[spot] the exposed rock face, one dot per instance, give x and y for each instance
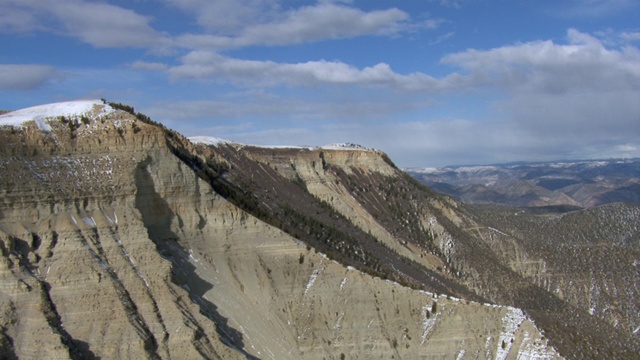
(453, 241)
(81, 263)
(135, 243)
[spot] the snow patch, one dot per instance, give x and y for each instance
(112, 220)
(344, 281)
(89, 221)
(343, 146)
(41, 114)
(510, 323)
(312, 279)
(428, 323)
(208, 140)
(42, 124)
(215, 141)
(498, 231)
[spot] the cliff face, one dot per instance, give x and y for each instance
(83, 274)
(121, 239)
(457, 249)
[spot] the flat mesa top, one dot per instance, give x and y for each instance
(215, 141)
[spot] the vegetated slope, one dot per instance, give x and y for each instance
(590, 258)
(121, 238)
(119, 241)
(578, 183)
(429, 233)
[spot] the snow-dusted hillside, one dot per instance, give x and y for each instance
(41, 114)
(580, 183)
(215, 141)
(209, 140)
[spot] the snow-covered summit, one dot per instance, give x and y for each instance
(215, 141)
(41, 113)
(209, 140)
(343, 146)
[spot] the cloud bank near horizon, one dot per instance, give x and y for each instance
(218, 67)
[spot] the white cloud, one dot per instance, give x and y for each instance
(577, 98)
(26, 77)
(14, 19)
(573, 100)
(444, 142)
(433, 23)
(584, 64)
(226, 23)
(323, 21)
(593, 8)
(263, 105)
(210, 65)
(228, 17)
(105, 25)
(456, 4)
(630, 36)
(152, 66)
(98, 24)
(442, 38)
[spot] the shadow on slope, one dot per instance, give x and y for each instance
(157, 217)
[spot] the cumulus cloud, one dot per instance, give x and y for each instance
(263, 105)
(98, 24)
(631, 36)
(575, 99)
(228, 16)
(226, 23)
(543, 66)
(26, 77)
(450, 141)
(145, 65)
(584, 64)
(14, 19)
(211, 65)
(105, 25)
(433, 143)
(323, 21)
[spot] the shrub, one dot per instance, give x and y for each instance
(122, 107)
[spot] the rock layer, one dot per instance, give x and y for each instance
(121, 239)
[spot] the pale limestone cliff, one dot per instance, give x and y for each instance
(112, 247)
(580, 306)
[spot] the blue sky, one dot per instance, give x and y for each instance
(432, 83)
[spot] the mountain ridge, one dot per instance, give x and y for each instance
(584, 183)
(240, 252)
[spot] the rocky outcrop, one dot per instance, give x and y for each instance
(122, 239)
(452, 241)
(80, 265)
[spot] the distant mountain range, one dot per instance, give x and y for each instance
(568, 183)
